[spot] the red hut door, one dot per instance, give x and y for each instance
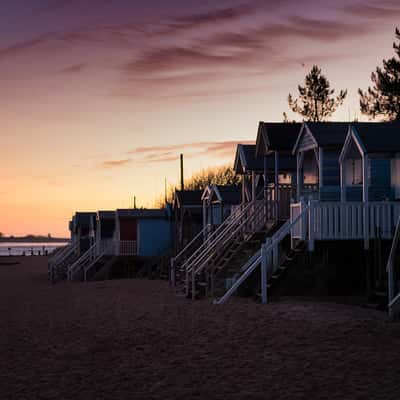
(128, 229)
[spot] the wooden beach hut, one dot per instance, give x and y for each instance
(83, 230)
(188, 210)
(317, 150)
(251, 168)
(370, 162)
(218, 203)
(274, 144)
(143, 232)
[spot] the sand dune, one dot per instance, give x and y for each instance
(136, 340)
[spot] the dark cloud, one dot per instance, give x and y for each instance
(22, 46)
(74, 69)
(374, 10)
(247, 52)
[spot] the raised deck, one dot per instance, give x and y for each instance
(344, 221)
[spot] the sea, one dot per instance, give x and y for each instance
(28, 248)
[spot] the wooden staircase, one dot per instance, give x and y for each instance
(194, 277)
(58, 265)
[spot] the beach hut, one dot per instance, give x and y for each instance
(83, 230)
(143, 232)
(275, 142)
(370, 162)
(317, 150)
(105, 228)
(218, 203)
(188, 210)
(251, 168)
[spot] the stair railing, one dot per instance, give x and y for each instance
(199, 264)
(264, 257)
(85, 259)
(174, 263)
(102, 248)
(393, 291)
(55, 262)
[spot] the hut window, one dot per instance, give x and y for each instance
(356, 172)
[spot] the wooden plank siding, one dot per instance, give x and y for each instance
(307, 142)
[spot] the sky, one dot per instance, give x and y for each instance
(99, 97)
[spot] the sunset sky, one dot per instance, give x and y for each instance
(99, 97)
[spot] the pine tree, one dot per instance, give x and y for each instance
(316, 101)
(383, 99)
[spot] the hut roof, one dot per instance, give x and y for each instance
(228, 194)
(142, 213)
(378, 137)
(106, 214)
(276, 136)
(324, 134)
(188, 198)
(246, 160)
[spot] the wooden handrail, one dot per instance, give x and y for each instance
(258, 256)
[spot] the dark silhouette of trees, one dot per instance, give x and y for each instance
(224, 175)
(316, 101)
(218, 176)
(383, 98)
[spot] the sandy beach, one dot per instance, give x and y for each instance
(134, 339)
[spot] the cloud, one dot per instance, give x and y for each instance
(374, 10)
(23, 46)
(228, 55)
(169, 153)
(73, 69)
(115, 163)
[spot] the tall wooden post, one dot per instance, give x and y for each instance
(365, 201)
(299, 175)
(182, 181)
(265, 188)
(343, 180)
(276, 194)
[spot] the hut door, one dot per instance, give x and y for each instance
(128, 229)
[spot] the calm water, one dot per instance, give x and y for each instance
(19, 248)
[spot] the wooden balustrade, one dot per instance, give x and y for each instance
(346, 220)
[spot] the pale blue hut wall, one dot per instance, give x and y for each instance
(155, 237)
(380, 187)
(330, 191)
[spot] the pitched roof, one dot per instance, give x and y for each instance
(83, 218)
(276, 136)
(141, 213)
(188, 197)
(229, 194)
(383, 137)
(325, 134)
(246, 160)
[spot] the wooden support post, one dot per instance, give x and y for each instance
(243, 188)
(266, 189)
(276, 194)
(311, 225)
(365, 201)
(264, 271)
(299, 175)
(320, 163)
(205, 218)
(343, 180)
(253, 198)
